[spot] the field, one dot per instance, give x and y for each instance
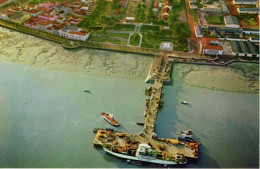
(106, 40)
(135, 39)
(215, 19)
(122, 27)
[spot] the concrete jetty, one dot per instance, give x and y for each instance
(159, 74)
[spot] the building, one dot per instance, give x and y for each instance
(251, 31)
(210, 46)
(244, 48)
(4, 16)
(231, 22)
(205, 1)
(43, 25)
(64, 32)
(193, 4)
(248, 10)
(78, 35)
(155, 6)
(166, 9)
(6, 2)
(198, 31)
(245, 2)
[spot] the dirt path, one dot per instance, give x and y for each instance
(192, 31)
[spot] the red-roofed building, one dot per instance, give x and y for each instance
(211, 46)
(78, 35)
(155, 6)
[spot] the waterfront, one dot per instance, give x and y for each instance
(47, 119)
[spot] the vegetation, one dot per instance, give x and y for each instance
(215, 19)
(194, 15)
(177, 35)
(249, 19)
(106, 40)
(148, 28)
(135, 39)
(122, 27)
(119, 35)
(139, 14)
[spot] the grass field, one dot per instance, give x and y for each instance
(106, 40)
(215, 19)
(148, 28)
(119, 35)
(135, 39)
(122, 27)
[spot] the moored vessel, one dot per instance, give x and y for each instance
(110, 118)
(145, 153)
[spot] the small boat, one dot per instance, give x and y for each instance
(184, 102)
(86, 91)
(187, 134)
(140, 123)
(110, 118)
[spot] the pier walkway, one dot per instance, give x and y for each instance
(159, 73)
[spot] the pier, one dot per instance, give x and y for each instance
(159, 74)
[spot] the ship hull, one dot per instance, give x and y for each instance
(109, 121)
(149, 160)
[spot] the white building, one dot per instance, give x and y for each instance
(78, 35)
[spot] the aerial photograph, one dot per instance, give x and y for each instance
(129, 83)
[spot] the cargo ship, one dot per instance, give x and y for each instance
(145, 153)
(110, 118)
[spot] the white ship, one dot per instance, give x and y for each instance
(147, 154)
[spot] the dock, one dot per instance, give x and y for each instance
(159, 74)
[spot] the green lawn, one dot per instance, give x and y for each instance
(215, 19)
(122, 27)
(135, 39)
(148, 28)
(120, 35)
(106, 40)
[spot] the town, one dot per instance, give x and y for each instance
(209, 27)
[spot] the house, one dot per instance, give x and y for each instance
(193, 4)
(4, 16)
(155, 6)
(6, 2)
(130, 19)
(64, 32)
(248, 10)
(210, 46)
(48, 17)
(165, 13)
(198, 31)
(244, 48)
(166, 10)
(224, 7)
(167, 4)
(43, 25)
(231, 21)
(245, 2)
(78, 35)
